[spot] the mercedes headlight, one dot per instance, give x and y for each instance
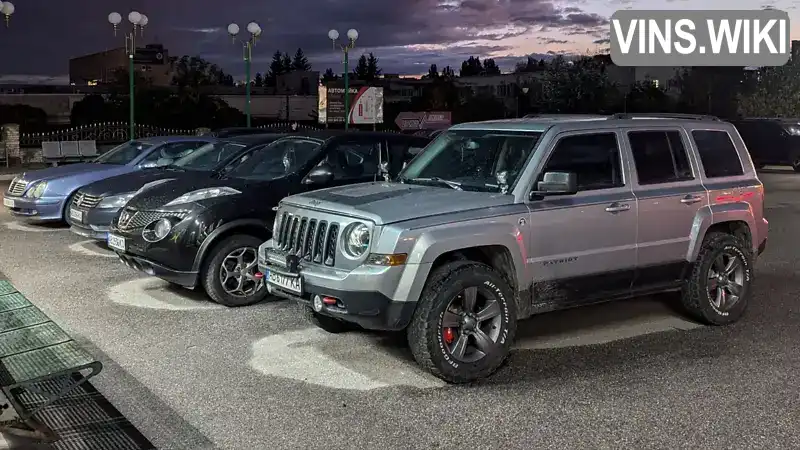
(156, 231)
(356, 240)
(37, 190)
(115, 201)
(202, 194)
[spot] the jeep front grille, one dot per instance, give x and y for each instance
(310, 239)
(17, 187)
(131, 219)
(85, 201)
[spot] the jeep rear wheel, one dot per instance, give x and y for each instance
(718, 288)
(228, 276)
(464, 323)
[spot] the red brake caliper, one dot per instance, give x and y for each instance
(449, 335)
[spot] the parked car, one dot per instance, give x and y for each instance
(42, 195)
(771, 141)
(497, 221)
(95, 204)
(204, 232)
(236, 131)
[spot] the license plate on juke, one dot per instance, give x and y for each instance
(116, 242)
(291, 283)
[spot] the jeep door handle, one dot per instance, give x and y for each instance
(689, 199)
(617, 207)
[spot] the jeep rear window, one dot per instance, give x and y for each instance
(717, 153)
(474, 158)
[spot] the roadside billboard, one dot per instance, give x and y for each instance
(366, 105)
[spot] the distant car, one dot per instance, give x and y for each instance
(205, 231)
(771, 141)
(42, 195)
(95, 204)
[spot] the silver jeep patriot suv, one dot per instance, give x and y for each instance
(496, 221)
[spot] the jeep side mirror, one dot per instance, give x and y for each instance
(322, 174)
(556, 183)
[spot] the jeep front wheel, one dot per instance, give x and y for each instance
(464, 323)
(718, 288)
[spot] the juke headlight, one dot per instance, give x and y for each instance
(356, 239)
(158, 230)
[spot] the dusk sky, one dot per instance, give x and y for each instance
(406, 35)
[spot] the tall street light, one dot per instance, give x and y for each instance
(247, 44)
(352, 35)
(138, 21)
(6, 9)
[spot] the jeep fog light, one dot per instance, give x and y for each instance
(386, 260)
(356, 240)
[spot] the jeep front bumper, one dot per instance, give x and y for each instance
(359, 296)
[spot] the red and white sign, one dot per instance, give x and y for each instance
(423, 120)
(367, 107)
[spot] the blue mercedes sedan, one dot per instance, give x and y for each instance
(42, 195)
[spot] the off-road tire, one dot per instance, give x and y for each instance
(424, 332)
(327, 323)
(694, 296)
(209, 275)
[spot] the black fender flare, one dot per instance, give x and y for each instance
(213, 237)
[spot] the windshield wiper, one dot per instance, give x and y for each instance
(451, 184)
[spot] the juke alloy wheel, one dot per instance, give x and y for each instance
(228, 275)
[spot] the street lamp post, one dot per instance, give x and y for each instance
(352, 35)
(255, 31)
(6, 9)
(139, 21)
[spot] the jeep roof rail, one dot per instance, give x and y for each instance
(562, 116)
(622, 116)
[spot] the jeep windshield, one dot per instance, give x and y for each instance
(123, 153)
(276, 160)
(208, 156)
(474, 160)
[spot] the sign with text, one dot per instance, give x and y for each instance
(366, 105)
(700, 38)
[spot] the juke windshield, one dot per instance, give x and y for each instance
(208, 156)
(276, 160)
(475, 160)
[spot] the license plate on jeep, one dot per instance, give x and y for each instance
(291, 283)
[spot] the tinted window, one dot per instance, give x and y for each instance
(168, 153)
(660, 156)
(719, 156)
(209, 156)
(593, 158)
(276, 160)
(124, 153)
(354, 159)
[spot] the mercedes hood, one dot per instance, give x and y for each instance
(384, 203)
(54, 173)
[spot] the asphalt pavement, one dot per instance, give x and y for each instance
(193, 375)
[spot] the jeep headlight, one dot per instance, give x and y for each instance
(356, 240)
(156, 231)
(37, 190)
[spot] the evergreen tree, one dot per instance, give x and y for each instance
(275, 68)
(361, 71)
(259, 80)
(490, 67)
(300, 62)
(286, 63)
(329, 75)
(372, 67)
(433, 72)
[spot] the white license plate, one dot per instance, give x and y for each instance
(286, 282)
(116, 242)
(8, 202)
(76, 214)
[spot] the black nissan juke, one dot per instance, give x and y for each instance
(205, 231)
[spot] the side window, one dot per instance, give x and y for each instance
(593, 158)
(718, 154)
(660, 156)
(354, 159)
(168, 153)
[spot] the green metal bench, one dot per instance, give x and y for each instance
(33, 349)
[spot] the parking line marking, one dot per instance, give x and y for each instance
(154, 293)
(16, 226)
(80, 247)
